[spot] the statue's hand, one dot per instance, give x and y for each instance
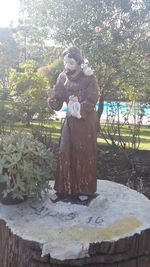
(53, 103)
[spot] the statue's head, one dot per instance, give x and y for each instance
(72, 60)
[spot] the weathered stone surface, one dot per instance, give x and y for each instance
(114, 230)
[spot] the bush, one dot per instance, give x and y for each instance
(52, 71)
(26, 165)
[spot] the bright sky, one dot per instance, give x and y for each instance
(9, 11)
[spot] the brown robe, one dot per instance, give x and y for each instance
(76, 172)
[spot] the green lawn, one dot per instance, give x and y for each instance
(127, 136)
(53, 128)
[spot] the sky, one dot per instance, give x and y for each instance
(9, 11)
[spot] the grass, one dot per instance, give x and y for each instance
(127, 136)
(53, 128)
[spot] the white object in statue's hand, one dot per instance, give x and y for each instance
(74, 107)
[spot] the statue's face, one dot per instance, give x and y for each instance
(70, 64)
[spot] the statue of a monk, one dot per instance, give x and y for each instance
(77, 86)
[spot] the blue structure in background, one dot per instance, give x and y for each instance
(123, 106)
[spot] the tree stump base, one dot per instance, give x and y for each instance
(113, 230)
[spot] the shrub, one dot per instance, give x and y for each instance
(52, 71)
(26, 165)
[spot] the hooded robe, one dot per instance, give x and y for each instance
(76, 170)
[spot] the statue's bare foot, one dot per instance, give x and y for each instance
(86, 199)
(54, 197)
(83, 198)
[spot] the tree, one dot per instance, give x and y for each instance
(52, 71)
(32, 45)
(8, 58)
(29, 92)
(8, 55)
(112, 34)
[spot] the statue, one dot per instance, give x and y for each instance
(77, 86)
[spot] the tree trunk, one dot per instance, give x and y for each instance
(132, 249)
(100, 111)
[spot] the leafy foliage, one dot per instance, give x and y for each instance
(8, 54)
(6, 116)
(119, 52)
(29, 92)
(52, 71)
(26, 165)
(112, 34)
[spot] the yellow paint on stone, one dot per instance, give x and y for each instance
(125, 225)
(91, 234)
(87, 234)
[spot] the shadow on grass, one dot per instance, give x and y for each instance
(52, 128)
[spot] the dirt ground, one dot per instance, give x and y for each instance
(129, 167)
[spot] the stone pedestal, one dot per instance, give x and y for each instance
(113, 230)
